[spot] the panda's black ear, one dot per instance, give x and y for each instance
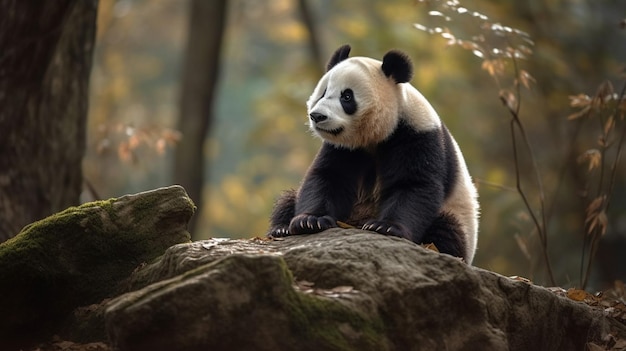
(339, 55)
(397, 65)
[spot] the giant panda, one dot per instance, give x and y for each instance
(387, 163)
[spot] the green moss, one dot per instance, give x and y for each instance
(320, 319)
(80, 255)
(315, 319)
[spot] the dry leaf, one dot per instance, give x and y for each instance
(576, 294)
(342, 289)
(508, 99)
(608, 126)
(595, 205)
(580, 100)
(520, 279)
(526, 78)
(493, 67)
(344, 225)
(431, 247)
(593, 156)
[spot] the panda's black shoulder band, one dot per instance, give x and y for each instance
(397, 65)
(339, 55)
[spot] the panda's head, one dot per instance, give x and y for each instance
(357, 102)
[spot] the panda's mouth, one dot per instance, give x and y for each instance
(334, 132)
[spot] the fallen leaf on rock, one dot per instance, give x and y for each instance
(344, 225)
(517, 278)
(577, 294)
(343, 289)
(430, 246)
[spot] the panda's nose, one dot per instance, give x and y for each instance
(317, 117)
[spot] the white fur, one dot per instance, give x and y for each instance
(463, 204)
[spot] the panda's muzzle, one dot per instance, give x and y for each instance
(317, 118)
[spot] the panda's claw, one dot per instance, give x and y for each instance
(278, 232)
(310, 224)
(386, 228)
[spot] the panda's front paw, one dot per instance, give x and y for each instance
(387, 228)
(309, 224)
(278, 231)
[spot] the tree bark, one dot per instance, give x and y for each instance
(45, 59)
(308, 18)
(199, 80)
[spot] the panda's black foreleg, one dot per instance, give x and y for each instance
(329, 190)
(446, 234)
(284, 222)
(282, 214)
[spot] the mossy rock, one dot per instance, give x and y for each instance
(81, 255)
(240, 302)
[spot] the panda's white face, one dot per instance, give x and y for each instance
(354, 104)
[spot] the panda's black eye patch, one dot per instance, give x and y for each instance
(347, 101)
(347, 95)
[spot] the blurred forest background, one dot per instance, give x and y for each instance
(271, 58)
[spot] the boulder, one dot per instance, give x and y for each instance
(80, 256)
(343, 289)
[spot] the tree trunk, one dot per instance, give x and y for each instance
(45, 59)
(200, 76)
(308, 19)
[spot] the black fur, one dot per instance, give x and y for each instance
(413, 172)
(348, 102)
(397, 65)
(444, 233)
(339, 55)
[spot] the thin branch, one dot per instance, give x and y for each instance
(619, 147)
(541, 228)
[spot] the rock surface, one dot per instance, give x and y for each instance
(337, 290)
(79, 256)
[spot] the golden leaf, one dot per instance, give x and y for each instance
(160, 146)
(595, 204)
(431, 247)
(593, 156)
(508, 99)
(596, 216)
(493, 67)
(526, 78)
(580, 100)
(608, 126)
(344, 225)
(576, 294)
